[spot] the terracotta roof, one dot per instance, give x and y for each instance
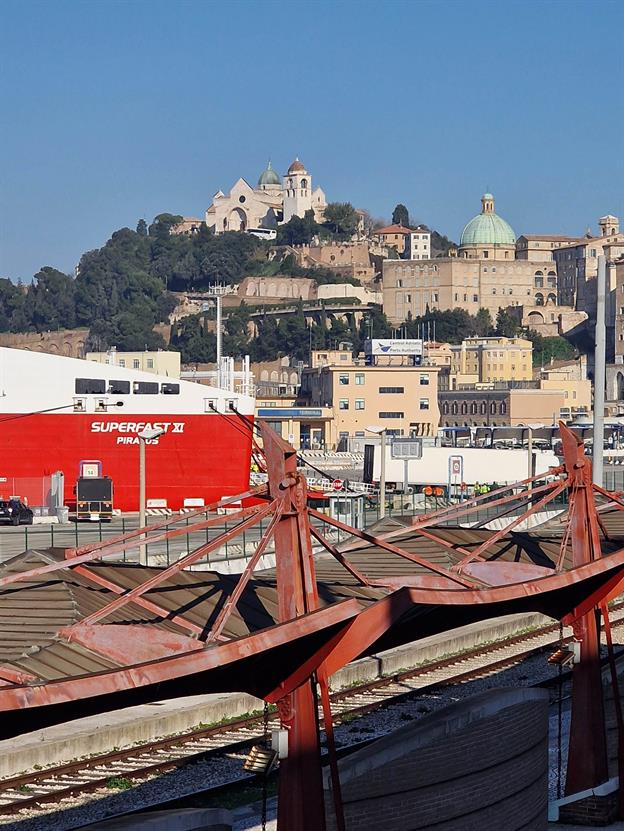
(549, 237)
(394, 229)
(296, 167)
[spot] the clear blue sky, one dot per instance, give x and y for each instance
(113, 111)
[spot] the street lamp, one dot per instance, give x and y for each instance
(381, 432)
(148, 434)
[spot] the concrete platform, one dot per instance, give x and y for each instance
(133, 725)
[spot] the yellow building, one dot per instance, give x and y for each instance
(162, 362)
(481, 360)
(570, 381)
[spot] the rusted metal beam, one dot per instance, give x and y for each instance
(129, 644)
(260, 490)
(109, 548)
(179, 565)
(587, 748)
(475, 504)
(300, 804)
(160, 611)
(230, 603)
(394, 549)
(506, 529)
(359, 576)
(176, 667)
(103, 551)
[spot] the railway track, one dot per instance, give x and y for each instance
(108, 773)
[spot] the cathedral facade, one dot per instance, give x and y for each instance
(274, 200)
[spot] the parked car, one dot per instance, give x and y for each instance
(15, 512)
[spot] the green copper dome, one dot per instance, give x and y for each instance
(269, 177)
(487, 228)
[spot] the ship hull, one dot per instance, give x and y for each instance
(199, 457)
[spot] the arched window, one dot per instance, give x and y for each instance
(483, 408)
(464, 408)
(539, 279)
(539, 299)
(552, 298)
(445, 408)
(304, 184)
(473, 408)
(454, 408)
(503, 408)
(493, 408)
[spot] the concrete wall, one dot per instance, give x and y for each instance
(68, 342)
(481, 763)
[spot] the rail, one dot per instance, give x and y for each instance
(36, 789)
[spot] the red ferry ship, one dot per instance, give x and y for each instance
(56, 412)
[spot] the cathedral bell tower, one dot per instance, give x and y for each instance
(297, 191)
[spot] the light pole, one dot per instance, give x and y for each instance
(144, 435)
(381, 432)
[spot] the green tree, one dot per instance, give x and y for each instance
(400, 216)
(441, 245)
(163, 223)
(195, 344)
(298, 230)
(51, 300)
(483, 323)
(549, 349)
(141, 228)
(507, 324)
(341, 219)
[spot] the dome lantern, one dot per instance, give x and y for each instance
(488, 228)
(269, 177)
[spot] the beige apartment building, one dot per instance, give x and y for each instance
(392, 236)
(471, 284)
(577, 265)
(162, 362)
(570, 379)
(540, 247)
(403, 399)
(484, 360)
(500, 407)
(410, 243)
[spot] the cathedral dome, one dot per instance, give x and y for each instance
(269, 177)
(487, 228)
(297, 167)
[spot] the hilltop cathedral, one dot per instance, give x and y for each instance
(269, 204)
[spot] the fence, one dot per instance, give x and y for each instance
(36, 491)
(16, 540)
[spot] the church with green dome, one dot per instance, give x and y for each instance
(274, 200)
(488, 235)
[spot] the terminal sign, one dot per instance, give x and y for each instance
(393, 347)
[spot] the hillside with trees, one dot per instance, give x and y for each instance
(124, 289)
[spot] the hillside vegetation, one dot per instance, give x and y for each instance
(122, 290)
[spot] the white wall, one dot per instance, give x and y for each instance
(480, 465)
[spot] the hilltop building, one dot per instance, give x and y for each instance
(485, 274)
(274, 200)
(409, 243)
(577, 264)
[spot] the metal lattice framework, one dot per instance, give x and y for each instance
(290, 663)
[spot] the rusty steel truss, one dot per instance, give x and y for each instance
(290, 662)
